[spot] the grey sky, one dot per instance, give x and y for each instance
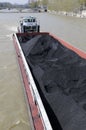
(15, 1)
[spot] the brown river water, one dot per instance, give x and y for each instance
(13, 106)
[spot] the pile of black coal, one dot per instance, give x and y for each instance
(60, 75)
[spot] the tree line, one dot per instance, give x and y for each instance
(4, 5)
(58, 5)
(66, 5)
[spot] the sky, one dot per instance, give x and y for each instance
(15, 1)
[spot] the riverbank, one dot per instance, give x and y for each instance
(14, 10)
(81, 14)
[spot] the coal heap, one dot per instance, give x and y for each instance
(60, 76)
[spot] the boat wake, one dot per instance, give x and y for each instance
(11, 28)
(18, 123)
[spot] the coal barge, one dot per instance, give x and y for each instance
(54, 76)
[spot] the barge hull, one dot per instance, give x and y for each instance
(61, 105)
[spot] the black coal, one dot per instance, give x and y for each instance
(60, 76)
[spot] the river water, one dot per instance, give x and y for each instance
(13, 108)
